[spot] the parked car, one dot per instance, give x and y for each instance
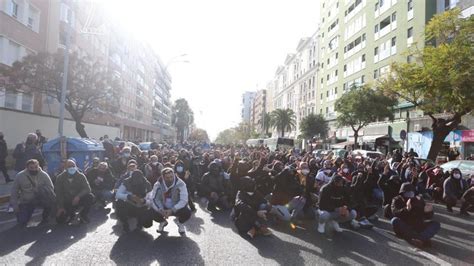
(369, 154)
(466, 167)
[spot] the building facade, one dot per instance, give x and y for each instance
(33, 26)
(258, 111)
(247, 102)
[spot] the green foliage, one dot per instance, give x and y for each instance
(236, 135)
(182, 117)
(313, 125)
(90, 87)
(283, 120)
(442, 77)
(199, 135)
(360, 106)
(266, 122)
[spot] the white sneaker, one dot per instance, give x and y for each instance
(161, 227)
(321, 227)
(336, 227)
(181, 228)
(355, 224)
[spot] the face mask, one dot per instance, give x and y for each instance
(154, 163)
(250, 193)
(179, 169)
(126, 155)
(71, 170)
(457, 176)
(327, 172)
(409, 194)
(33, 172)
(305, 171)
(345, 170)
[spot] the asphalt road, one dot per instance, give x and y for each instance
(212, 240)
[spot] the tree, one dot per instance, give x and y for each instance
(361, 106)
(266, 123)
(441, 78)
(283, 120)
(182, 117)
(313, 125)
(199, 135)
(226, 137)
(90, 87)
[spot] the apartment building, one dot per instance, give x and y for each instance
(258, 110)
(32, 26)
(247, 103)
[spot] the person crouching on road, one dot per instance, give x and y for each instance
(73, 194)
(102, 183)
(454, 188)
(24, 197)
(409, 214)
(334, 208)
(131, 201)
(170, 198)
(250, 210)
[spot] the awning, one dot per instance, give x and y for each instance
(372, 138)
(342, 145)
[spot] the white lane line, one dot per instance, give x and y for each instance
(425, 254)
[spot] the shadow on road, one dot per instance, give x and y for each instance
(139, 248)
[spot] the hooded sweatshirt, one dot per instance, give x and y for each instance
(174, 197)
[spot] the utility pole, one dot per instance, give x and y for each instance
(65, 73)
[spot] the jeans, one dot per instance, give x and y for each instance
(26, 211)
(325, 216)
(408, 232)
(3, 169)
(84, 206)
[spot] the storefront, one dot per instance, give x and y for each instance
(467, 138)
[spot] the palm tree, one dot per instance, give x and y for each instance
(283, 120)
(265, 122)
(182, 117)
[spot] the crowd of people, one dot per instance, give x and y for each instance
(258, 186)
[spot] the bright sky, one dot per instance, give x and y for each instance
(232, 47)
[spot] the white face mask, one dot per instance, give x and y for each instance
(250, 193)
(457, 176)
(305, 171)
(345, 170)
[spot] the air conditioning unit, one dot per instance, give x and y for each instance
(417, 127)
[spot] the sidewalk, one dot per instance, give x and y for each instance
(6, 188)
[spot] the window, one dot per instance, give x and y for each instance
(14, 8)
(363, 37)
(384, 23)
(381, 2)
(335, 73)
(328, 61)
(394, 16)
(345, 68)
(362, 79)
(27, 102)
(447, 4)
(394, 41)
(376, 73)
(327, 78)
(376, 5)
(322, 80)
(10, 99)
(376, 28)
(335, 90)
(336, 55)
(376, 51)
(321, 96)
(410, 32)
(410, 5)
(327, 110)
(327, 93)
(363, 58)
(410, 59)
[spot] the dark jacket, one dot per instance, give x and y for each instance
(107, 182)
(390, 188)
(332, 197)
(286, 187)
(453, 190)
(414, 217)
(3, 150)
(23, 153)
(212, 183)
(66, 190)
(248, 205)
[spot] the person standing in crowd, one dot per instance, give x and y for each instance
(131, 201)
(3, 157)
(153, 170)
(170, 198)
(73, 195)
(250, 210)
(26, 196)
(410, 213)
(102, 183)
(28, 150)
(454, 188)
(41, 139)
(119, 166)
(109, 148)
(334, 206)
